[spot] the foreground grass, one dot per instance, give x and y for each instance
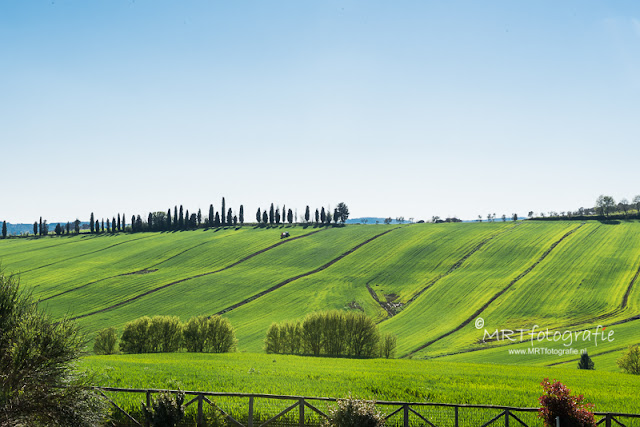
(381, 379)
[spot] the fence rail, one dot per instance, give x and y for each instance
(311, 411)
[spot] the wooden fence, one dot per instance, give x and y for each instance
(306, 411)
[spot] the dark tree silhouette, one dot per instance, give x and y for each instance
(323, 215)
(76, 226)
(133, 223)
(168, 219)
(216, 221)
(103, 225)
(68, 227)
(150, 223)
(187, 220)
(277, 216)
(176, 224)
(341, 213)
(317, 216)
(265, 217)
(290, 216)
(241, 215)
(35, 228)
(272, 216)
(258, 216)
(97, 226)
(108, 226)
(41, 230)
(222, 210)
(4, 229)
(199, 217)
(307, 214)
(211, 215)
(91, 222)
(119, 229)
(229, 217)
(181, 219)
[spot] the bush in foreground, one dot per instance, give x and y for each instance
(352, 412)
(166, 410)
(557, 401)
(38, 383)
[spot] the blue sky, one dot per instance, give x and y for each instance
(407, 109)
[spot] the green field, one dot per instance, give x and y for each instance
(427, 284)
(381, 379)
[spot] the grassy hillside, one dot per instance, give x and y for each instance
(425, 283)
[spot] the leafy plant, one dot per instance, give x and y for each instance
(557, 401)
(352, 412)
(38, 382)
(166, 410)
(630, 361)
(105, 342)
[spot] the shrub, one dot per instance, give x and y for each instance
(352, 412)
(220, 336)
(135, 336)
(105, 342)
(585, 362)
(212, 335)
(166, 410)
(38, 382)
(165, 334)
(362, 335)
(272, 342)
(630, 361)
(557, 401)
(193, 333)
(388, 346)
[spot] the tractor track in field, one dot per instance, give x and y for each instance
(159, 288)
(300, 276)
(84, 254)
(497, 295)
(625, 299)
(384, 305)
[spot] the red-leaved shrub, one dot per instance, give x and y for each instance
(557, 401)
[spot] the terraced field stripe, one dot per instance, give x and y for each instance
(137, 297)
(85, 254)
(625, 299)
(458, 264)
(385, 306)
(498, 294)
(299, 276)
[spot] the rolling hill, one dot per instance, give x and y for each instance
(426, 283)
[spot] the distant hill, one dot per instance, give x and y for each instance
(18, 229)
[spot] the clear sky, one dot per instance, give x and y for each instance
(401, 108)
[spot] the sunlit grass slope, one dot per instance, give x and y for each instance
(436, 278)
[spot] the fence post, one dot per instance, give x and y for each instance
(506, 418)
(406, 415)
(146, 422)
(200, 413)
(456, 416)
(608, 420)
(301, 413)
(250, 422)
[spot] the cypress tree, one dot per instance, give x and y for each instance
(229, 217)
(277, 216)
(216, 221)
(35, 228)
(133, 223)
(211, 215)
(284, 214)
(124, 223)
(68, 227)
(222, 210)
(235, 220)
(113, 224)
(150, 223)
(258, 216)
(4, 229)
(139, 223)
(103, 225)
(41, 226)
(108, 225)
(199, 217)
(187, 220)
(290, 216)
(271, 214)
(335, 216)
(168, 219)
(317, 216)
(307, 214)
(323, 215)
(91, 222)
(265, 218)
(175, 217)
(97, 226)
(241, 215)
(181, 219)
(119, 222)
